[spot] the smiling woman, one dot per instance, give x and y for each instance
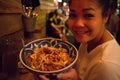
(99, 50)
(87, 21)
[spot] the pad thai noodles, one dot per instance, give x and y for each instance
(48, 58)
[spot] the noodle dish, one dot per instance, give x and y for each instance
(48, 56)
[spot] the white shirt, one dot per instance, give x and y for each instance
(102, 63)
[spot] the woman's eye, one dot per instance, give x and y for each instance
(72, 15)
(89, 15)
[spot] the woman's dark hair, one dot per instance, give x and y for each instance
(106, 5)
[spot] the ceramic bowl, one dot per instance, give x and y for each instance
(50, 42)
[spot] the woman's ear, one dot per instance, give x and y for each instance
(107, 15)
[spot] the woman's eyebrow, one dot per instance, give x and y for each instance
(88, 9)
(84, 10)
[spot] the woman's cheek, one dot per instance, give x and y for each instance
(70, 24)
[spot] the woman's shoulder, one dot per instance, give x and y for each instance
(111, 46)
(111, 52)
(105, 71)
(108, 52)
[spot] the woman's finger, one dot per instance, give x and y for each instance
(70, 75)
(42, 77)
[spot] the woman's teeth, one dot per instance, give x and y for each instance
(81, 32)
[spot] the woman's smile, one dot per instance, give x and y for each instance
(81, 33)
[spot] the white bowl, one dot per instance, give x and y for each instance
(50, 42)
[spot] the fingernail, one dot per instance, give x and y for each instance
(59, 76)
(40, 75)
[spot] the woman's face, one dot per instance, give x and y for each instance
(86, 21)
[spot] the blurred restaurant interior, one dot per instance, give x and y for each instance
(22, 21)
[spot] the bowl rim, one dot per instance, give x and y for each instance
(48, 72)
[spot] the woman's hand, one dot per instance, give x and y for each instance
(70, 75)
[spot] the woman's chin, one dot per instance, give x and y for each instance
(81, 40)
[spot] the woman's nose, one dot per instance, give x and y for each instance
(79, 22)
